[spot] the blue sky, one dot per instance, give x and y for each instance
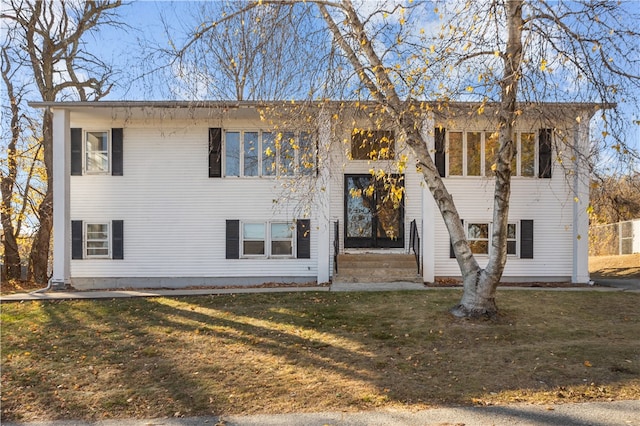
(122, 46)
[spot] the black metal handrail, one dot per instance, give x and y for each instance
(414, 242)
(336, 245)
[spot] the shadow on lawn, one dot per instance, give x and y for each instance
(309, 352)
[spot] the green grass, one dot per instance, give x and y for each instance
(260, 353)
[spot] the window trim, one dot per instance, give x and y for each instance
(85, 152)
(299, 169)
(268, 240)
(86, 241)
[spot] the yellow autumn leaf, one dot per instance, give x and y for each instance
(543, 65)
(587, 364)
(469, 89)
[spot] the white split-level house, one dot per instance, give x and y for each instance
(176, 194)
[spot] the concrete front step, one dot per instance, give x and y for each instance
(374, 267)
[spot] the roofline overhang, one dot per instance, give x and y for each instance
(260, 104)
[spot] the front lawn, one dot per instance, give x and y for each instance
(276, 353)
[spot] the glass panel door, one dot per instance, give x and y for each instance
(371, 221)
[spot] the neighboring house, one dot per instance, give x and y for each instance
(174, 194)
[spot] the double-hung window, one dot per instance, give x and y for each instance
(267, 239)
(97, 152)
(478, 236)
(281, 238)
(258, 153)
(253, 239)
(97, 240)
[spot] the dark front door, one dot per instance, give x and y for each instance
(371, 220)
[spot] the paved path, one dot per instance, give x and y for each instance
(621, 283)
(614, 285)
(592, 414)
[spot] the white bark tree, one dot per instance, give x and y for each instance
(507, 55)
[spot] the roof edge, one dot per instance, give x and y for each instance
(258, 104)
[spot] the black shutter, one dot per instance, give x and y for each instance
(440, 158)
(215, 152)
(116, 152)
(76, 152)
(303, 239)
(544, 153)
(117, 239)
(452, 254)
(526, 239)
(233, 239)
(76, 239)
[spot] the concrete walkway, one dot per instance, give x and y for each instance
(591, 413)
(119, 294)
(621, 283)
(628, 284)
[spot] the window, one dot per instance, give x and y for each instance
(267, 239)
(512, 239)
(253, 237)
(372, 145)
(268, 154)
(256, 153)
(491, 146)
(232, 154)
(475, 154)
(281, 239)
(478, 237)
(527, 150)
(455, 154)
(306, 153)
(97, 152)
(270, 239)
(97, 242)
(251, 153)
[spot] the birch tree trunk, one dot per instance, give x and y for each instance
(480, 285)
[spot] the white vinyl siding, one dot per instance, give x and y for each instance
(547, 202)
(175, 214)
